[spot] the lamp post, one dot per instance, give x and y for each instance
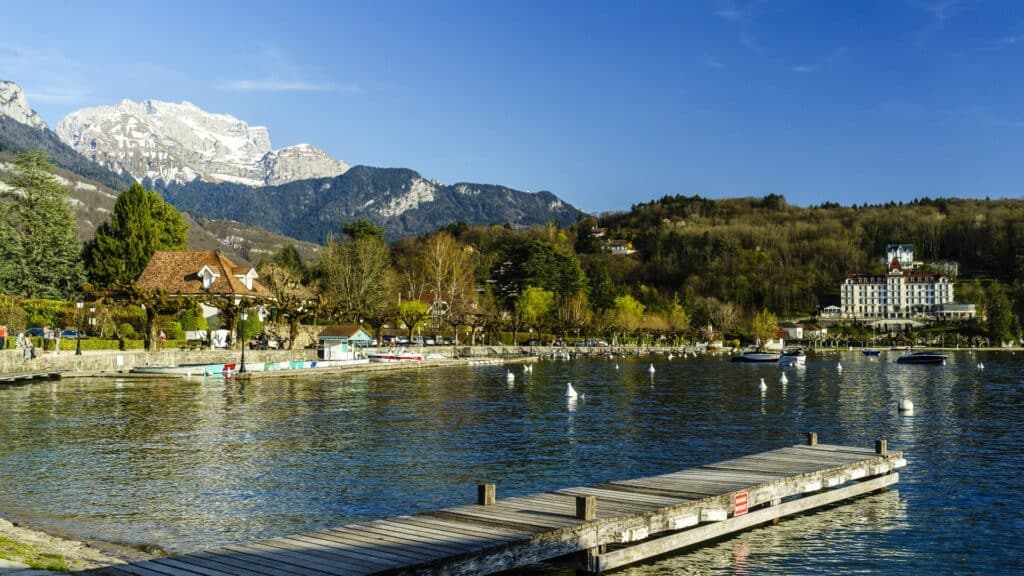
(241, 335)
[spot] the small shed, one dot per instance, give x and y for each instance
(792, 331)
(342, 342)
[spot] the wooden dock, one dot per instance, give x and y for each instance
(25, 377)
(605, 526)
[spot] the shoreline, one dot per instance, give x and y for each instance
(119, 364)
(32, 549)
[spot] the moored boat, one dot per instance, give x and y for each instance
(232, 369)
(402, 355)
(871, 351)
(922, 358)
(757, 356)
(793, 357)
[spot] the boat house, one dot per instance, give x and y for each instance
(342, 342)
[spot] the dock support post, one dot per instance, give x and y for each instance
(485, 494)
(812, 438)
(586, 507)
(880, 447)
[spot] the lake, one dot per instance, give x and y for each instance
(187, 465)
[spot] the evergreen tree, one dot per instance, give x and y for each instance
(43, 221)
(999, 318)
(140, 224)
(12, 256)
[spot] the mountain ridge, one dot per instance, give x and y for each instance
(289, 202)
(399, 199)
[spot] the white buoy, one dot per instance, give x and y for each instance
(906, 406)
(783, 378)
(510, 376)
(670, 356)
(839, 366)
(762, 386)
(570, 392)
(981, 366)
(616, 366)
(651, 369)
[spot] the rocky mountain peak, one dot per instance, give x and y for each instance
(14, 105)
(180, 142)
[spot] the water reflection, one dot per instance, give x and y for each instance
(857, 531)
(195, 463)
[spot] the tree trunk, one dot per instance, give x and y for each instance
(151, 340)
(293, 331)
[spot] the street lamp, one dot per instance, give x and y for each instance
(241, 334)
(78, 335)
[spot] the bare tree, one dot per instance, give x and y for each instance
(448, 271)
(357, 278)
(292, 297)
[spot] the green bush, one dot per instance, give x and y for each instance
(192, 320)
(249, 327)
(132, 315)
(172, 330)
(14, 318)
(126, 330)
(45, 312)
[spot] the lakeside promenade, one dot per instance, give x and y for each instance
(121, 362)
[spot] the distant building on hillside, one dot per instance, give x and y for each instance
(620, 247)
(902, 253)
(897, 295)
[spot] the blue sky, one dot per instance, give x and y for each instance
(603, 103)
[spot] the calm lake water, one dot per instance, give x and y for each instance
(190, 465)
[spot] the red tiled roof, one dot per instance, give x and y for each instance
(178, 273)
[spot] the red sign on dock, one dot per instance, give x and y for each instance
(739, 503)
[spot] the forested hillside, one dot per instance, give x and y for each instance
(764, 253)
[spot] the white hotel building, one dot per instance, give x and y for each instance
(897, 295)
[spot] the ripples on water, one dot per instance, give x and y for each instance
(190, 465)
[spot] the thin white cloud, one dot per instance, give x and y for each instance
(45, 75)
(938, 14)
(742, 18)
(275, 85)
(712, 62)
(57, 94)
(804, 69)
(1004, 42)
(730, 12)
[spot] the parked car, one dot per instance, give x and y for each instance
(268, 341)
(37, 332)
(72, 333)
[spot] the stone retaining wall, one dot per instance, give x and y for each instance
(112, 361)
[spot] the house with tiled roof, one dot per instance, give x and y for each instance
(202, 273)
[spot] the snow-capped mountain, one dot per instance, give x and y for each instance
(179, 143)
(197, 159)
(14, 106)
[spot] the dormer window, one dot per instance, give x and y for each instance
(208, 276)
(247, 278)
